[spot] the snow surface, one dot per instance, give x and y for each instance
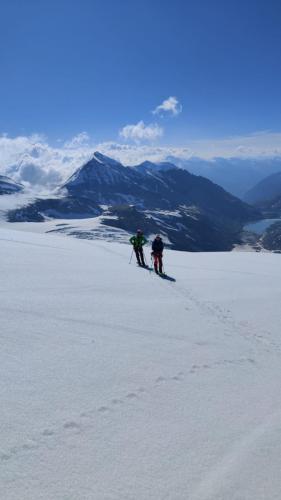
(119, 385)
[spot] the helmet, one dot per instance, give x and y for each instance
(139, 231)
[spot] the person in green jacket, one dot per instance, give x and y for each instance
(138, 241)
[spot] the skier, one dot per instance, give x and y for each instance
(157, 253)
(138, 241)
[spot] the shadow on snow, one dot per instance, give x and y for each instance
(163, 276)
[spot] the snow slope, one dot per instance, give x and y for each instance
(118, 385)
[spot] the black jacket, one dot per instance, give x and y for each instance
(157, 246)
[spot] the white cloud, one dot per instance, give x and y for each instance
(170, 105)
(33, 161)
(141, 132)
(31, 173)
(132, 154)
(81, 139)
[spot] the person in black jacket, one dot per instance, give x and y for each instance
(157, 253)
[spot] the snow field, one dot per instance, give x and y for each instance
(116, 384)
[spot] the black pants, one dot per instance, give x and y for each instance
(139, 255)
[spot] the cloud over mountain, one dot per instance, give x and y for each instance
(34, 160)
(141, 132)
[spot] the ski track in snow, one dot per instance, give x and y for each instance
(87, 418)
(243, 328)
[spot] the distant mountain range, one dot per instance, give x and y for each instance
(192, 212)
(267, 189)
(266, 196)
(235, 175)
(8, 186)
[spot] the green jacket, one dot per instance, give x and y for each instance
(138, 241)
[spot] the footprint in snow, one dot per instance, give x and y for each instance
(178, 377)
(103, 409)
(48, 432)
(131, 395)
(116, 401)
(84, 415)
(30, 446)
(71, 425)
(194, 368)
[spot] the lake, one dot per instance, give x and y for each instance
(260, 226)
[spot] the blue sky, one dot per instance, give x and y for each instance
(69, 66)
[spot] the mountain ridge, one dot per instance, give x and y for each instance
(266, 190)
(9, 186)
(217, 216)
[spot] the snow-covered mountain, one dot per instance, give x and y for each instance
(99, 171)
(151, 186)
(116, 384)
(8, 186)
(109, 182)
(190, 211)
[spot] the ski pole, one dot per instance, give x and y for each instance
(131, 256)
(144, 258)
